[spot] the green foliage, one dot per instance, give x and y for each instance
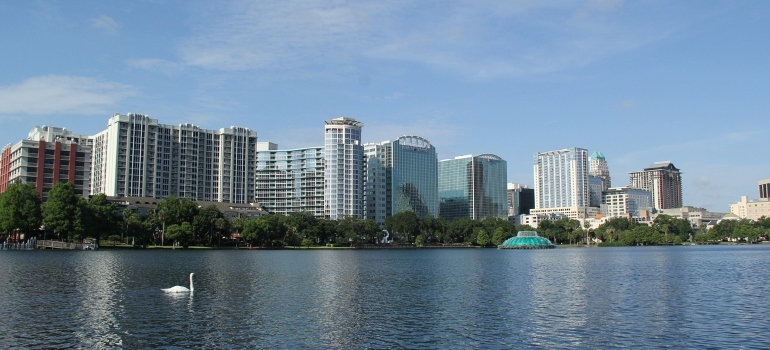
(100, 217)
(432, 228)
(62, 212)
(175, 211)
(182, 234)
(403, 225)
(482, 237)
(208, 223)
(20, 208)
(460, 230)
(419, 241)
(500, 235)
(747, 231)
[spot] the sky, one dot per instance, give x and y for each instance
(640, 81)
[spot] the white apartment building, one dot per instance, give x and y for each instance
(138, 157)
(625, 202)
(48, 155)
(289, 181)
(561, 183)
(343, 168)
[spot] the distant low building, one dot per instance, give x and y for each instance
(698, 217)
(625, 201)
(753, 210)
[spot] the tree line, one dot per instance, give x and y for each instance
(664, 230)
(68, 216)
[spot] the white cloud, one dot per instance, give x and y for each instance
(252, 35)
(480, 39)
(55, 94)
(105, 23)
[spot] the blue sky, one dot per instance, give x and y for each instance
(640, 81)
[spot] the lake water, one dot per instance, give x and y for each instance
(651, 297)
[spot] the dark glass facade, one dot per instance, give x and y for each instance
(473, 187)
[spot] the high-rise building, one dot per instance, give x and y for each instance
(289, 181)
(561, 183)
(561, 179)
(48, 155)
(401, 175)
(344, 168)
(473, 187)
(664, 180)
(764, 189)
(138, 157)
(626, 201)
(521, 199)
(598, 178)
(597, 166)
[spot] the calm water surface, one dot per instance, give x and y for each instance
(595, 298)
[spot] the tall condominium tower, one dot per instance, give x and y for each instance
(664, 180)
(47, 156)
(561, 179)
(597, 166)
(401, 176)
(473, 186)
(290, 180)
(344, 168)
(138, 157)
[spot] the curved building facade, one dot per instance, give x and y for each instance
(401, 175)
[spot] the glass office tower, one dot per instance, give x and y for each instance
(473, 187)
(402, 175)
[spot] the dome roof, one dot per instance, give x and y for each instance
(527, 240)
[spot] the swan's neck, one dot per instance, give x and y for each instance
(191, 283)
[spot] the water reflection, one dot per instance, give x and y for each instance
(684, 297)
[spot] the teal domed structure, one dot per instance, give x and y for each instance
(527, 240)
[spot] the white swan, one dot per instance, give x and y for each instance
(180, 289)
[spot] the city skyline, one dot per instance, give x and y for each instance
(641, 82)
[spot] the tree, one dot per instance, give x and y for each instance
(101, 217)
(130, 222)
(301, 224)
(724, 229)
(62, 211)
(663, 224)
(482, 237)
(403, 225)
(265, 229)
(460, 230)
(175, 211)
(432, 227)
(746, 230)
(206, 225)
(182, 234)
(20, 205)
(499, 236)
